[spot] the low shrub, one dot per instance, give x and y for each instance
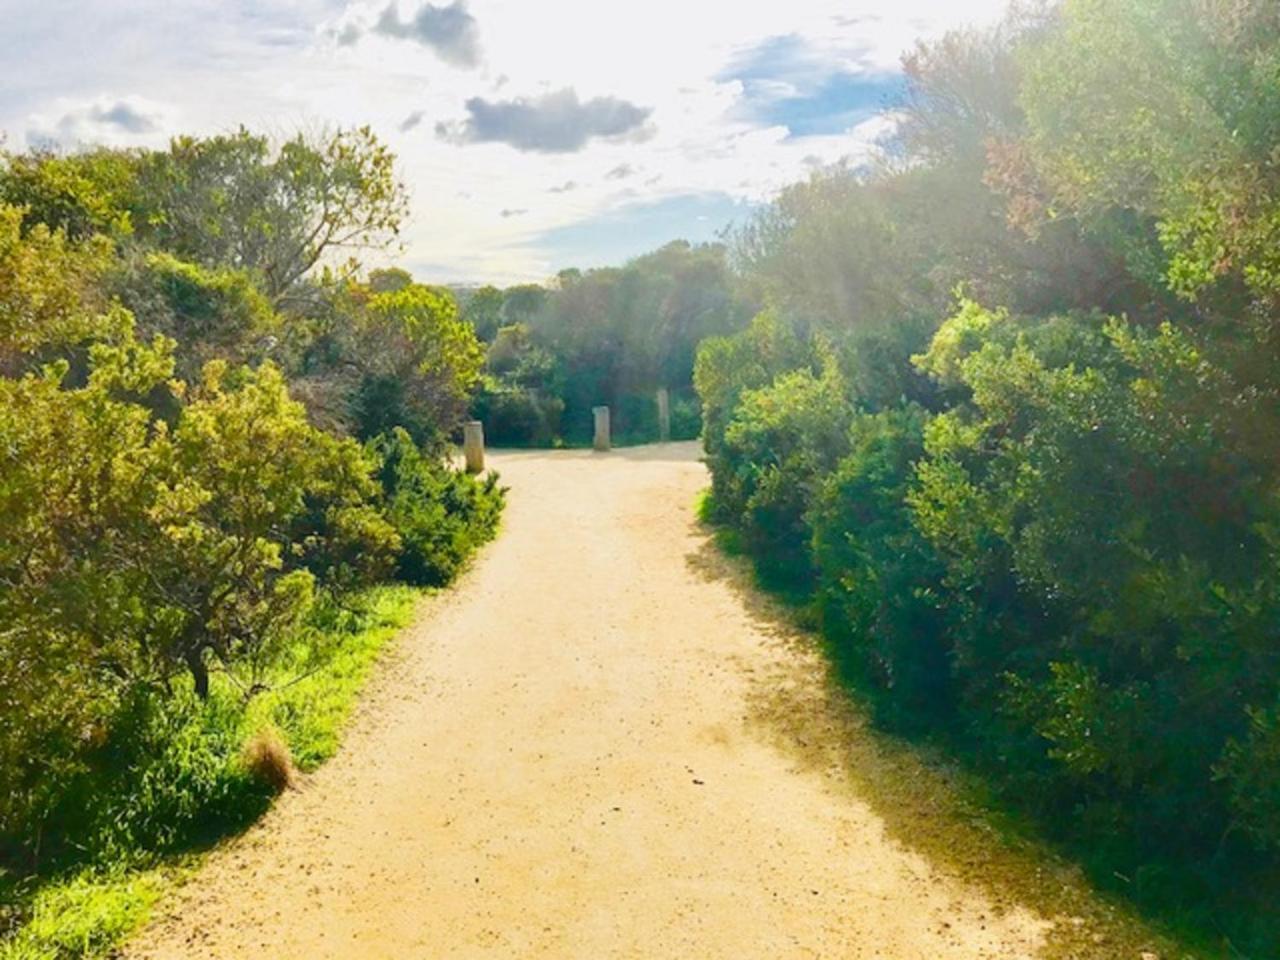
(782, 440)
(440, 514)
(517, 416)
(878, 578)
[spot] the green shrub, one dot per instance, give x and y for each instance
(517, 416)
(781, 442)
(879, 579)
(133, 551)
(440, 514)
(171, 777)
(725, 368)
(208, 313)
(1107, 550)
(686, 416)
(1251, 769)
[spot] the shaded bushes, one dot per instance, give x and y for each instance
(878, 578)
(1049, 537)
(1105, 531)
(782, 440)
(440, 514)
(1069, 572)
(515, 416)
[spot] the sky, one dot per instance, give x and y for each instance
(533, 135)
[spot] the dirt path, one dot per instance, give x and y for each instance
(573, 755)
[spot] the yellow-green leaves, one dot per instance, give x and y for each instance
(444, 346)
(45, 293)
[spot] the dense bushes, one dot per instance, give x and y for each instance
(782, 440)
(878, 578)
(1092, 499)
(440, 514)
(1069, 571)
(192, 533)
(1036, 515)
(137, 549)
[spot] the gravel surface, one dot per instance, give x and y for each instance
(579, 751)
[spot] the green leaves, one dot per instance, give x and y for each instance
(1050, 532)
(183, 542)
(443, 345)
(45, 283)
(235, 201)
(138, 548)
(440, 515)
(1162, 107)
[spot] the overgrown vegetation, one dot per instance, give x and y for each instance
(1008, 424)
(219, 439)
(1004, 422)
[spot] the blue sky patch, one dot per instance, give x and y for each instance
(841, 102)
(614, 237)
(789, 83)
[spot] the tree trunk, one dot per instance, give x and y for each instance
(199, 672)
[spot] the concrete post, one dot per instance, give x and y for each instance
(473, 445)
(664, 415)
(601, 441)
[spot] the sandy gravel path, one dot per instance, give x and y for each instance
(577, 754)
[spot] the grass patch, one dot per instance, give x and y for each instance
(87, 914)
(193, 773)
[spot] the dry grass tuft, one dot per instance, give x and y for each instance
(268, 759)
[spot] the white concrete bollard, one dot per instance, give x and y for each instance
(601, 415)
(664, 415)
(473, 445)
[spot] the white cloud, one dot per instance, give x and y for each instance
(450, 31)
(116, 121)
(276, 65)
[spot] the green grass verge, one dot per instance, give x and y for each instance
(86, 906)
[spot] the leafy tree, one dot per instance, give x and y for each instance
(209, 313)
(1166, 107)
(80, 194)
(178, 532)
(234, 201)
(46, 292)
(389, 280)
(483, 310)
(402, 357)
(619, 334)
(521, 303)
